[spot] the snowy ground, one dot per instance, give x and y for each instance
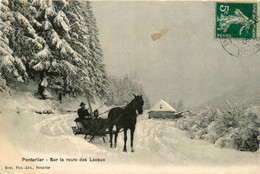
(159, 146)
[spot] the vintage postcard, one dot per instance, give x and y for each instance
(129, 87)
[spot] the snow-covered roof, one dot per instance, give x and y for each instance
(162, 106)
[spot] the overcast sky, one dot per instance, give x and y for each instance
(186, 63)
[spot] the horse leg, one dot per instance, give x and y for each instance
(132, 139)
(104, 141)
(125, 139)
(116, 134)
(92, 138)
(111, 136)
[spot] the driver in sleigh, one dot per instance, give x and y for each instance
(84, 119)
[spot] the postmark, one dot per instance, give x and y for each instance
(236, 20)
(241, 47)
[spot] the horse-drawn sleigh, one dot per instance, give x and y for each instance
(122, 118)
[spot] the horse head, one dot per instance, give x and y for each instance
(138, 103)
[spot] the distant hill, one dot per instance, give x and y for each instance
(247, 94)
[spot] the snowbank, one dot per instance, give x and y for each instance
(236, 127)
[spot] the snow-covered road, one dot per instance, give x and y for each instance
(156, 142)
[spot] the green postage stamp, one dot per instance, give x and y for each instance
(236, 20)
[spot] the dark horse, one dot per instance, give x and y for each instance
(125, 118)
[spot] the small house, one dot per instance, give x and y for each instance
(162, 110)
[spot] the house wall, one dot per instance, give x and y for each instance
(161, 114)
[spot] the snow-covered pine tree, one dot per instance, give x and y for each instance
(96, 58)
(112, 97)
(27, 41)
(50, 40)
(122, 91)
(69, 34)
(138, 89)
(91, 81)
(9, 62)
(77, 39)
(66, 65)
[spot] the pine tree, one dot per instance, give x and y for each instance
(95, 83)
(77, 39)
(95, 51)
(55, 43)
(122, 91)
(67, 71)
(25, 43)
(9, 62)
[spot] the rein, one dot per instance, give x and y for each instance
(105, 112)
(110, 109)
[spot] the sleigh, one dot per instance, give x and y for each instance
(98, 129)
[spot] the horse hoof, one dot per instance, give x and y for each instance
(132, 150)
(124, 150)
